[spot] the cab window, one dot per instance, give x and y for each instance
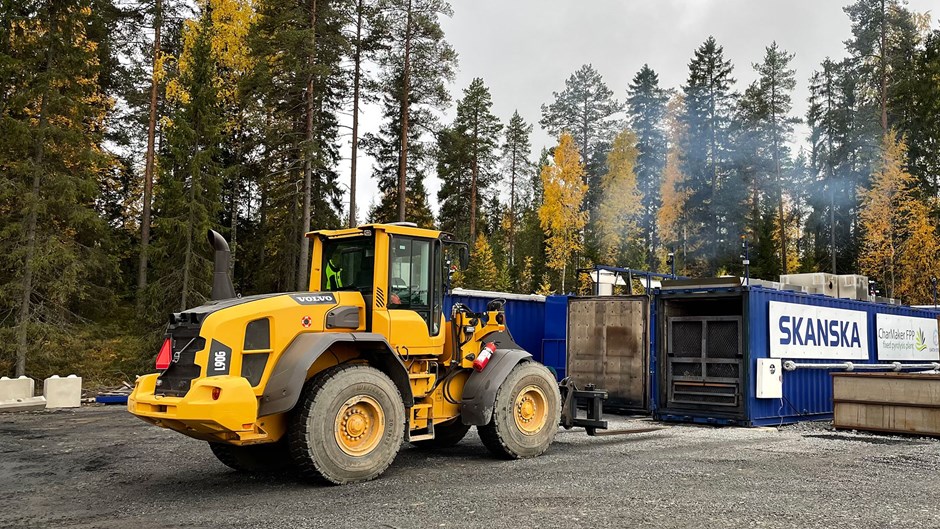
(410, 279)
(348, 264)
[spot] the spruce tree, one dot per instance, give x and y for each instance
(516, 151)
(187, 200)
(715, 197)
(55, 263)
(646, 108)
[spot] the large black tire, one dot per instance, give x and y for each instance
(348, 425)
(446, 435)
(270, 457)
(525, 418)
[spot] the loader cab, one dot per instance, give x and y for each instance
(400, 272)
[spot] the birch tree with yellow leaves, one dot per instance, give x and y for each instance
(561, 215)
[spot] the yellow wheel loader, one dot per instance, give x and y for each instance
(333, 380)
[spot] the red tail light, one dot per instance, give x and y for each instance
(165, 355)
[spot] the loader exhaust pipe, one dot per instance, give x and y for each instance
(222, 287)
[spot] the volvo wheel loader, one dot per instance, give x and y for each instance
(334, 379)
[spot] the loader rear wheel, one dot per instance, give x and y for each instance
(348, 426)
(445, 435)
(525, 418)
(271, 457)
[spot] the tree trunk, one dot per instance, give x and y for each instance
(303, 280)
(831, 175)
(190, 229)
(149, 163)
(474, 174)
(405, 108)
(23, 316)
(357, 66)
(884, 68)
(779, 178)
(512, 207)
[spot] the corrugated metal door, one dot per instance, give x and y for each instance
(608, 345)
(705, 360)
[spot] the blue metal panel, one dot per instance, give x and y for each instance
(807, 392)
(524, 318)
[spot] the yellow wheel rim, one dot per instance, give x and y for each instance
(530, 410)
(360, 424)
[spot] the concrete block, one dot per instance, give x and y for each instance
(62, 392)
(16, 394)
(30, 404)
(12, 389)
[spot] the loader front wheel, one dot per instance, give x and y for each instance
(526, 415)
(348, 426)
(270, 457)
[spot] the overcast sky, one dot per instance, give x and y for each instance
(525, 49)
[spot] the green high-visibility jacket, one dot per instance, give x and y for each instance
(333, 279)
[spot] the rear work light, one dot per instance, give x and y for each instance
(165, 355)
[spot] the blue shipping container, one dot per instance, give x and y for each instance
(807, 393)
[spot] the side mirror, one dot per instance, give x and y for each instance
(464, 257)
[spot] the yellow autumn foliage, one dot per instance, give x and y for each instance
(561, 215)
(621, 201)
(899, 243)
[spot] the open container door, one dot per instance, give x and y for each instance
(608, 346)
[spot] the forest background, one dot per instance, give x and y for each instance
(129, 128)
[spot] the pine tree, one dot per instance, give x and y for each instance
(417, 63)
(646, 108)
(715, 198)
(587, 110)
(366, 39)
(621, 208)
(765, 127)
(385, 147)
(562, 215)
(468, 148)
(516, 152)
(884, 36)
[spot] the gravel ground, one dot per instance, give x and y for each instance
(101, 467)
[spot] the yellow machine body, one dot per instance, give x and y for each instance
(233, 377)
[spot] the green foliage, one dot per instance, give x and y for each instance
(483, 273)
(715, 193)
(646, 107)
(467, 162)
(56, 268)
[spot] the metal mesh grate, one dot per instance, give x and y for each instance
(705, 359)
(687, 339)
(722, 339)
(722, 370)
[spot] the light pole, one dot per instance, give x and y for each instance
(747, 260)
(671, 261)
